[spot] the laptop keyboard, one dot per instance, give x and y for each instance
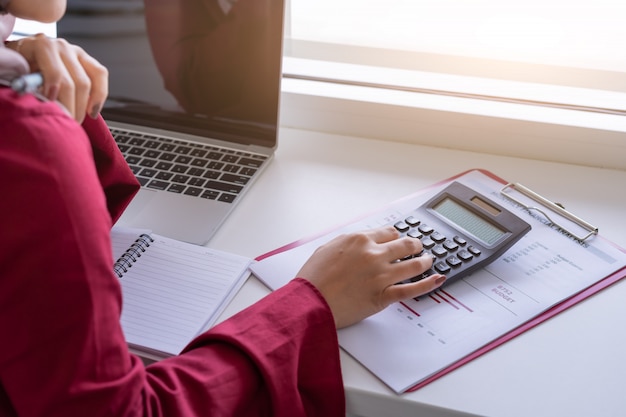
(187, 168)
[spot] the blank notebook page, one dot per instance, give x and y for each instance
(174, 290)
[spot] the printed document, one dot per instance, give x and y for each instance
(411, 341)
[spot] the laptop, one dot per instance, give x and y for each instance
(193, 102)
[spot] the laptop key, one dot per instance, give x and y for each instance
(181, 179)
(148, 163)
(198, 182)
(183, 159)
(237, 179)
(168, 156)
(227, 198)
(230, 158)
(120, 138)
(212, 174)
(196, 172)
(247, 171)
(183, 150)
(199, 162)
(152, 144)
(136, 141)
(210, 194)
(176, 188)
(250, 162)
(231, 168)
(180, 169)
(198, 153)
(223, 186)
(164, 176)
(193, 191)
(167, 147)
(132, 160)
(147, 172)
(157, 184)
(136, 151)
(151, 153)
(164, 166)
(215, 165)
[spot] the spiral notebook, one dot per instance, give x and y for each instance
(172, 291)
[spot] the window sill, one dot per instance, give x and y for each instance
(590, 130)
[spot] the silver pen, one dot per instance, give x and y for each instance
(28, 83)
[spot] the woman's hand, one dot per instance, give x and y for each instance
(357, 273)
(71, 76)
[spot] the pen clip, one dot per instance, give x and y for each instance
(555, 207)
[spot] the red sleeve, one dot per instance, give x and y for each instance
(63, 352)
(280, 358)
(116, 178)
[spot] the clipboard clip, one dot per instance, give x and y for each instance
(555, 207)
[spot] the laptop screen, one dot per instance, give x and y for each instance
(204, 67)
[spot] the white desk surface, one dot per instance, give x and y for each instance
(572, 365)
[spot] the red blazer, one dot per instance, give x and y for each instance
(63, 352)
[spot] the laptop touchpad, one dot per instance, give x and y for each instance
(140, 201)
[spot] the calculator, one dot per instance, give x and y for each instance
(463, 230)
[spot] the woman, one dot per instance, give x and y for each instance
(63, 353)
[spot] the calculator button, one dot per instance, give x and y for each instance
(464, 255)
(412, 221)
(426, 229)
(401, 226)
(428, 243)
(450, 245)
(453, 261)
(460, 240)
(442, 267)
(437, 237)
(439, 251)
(474, 250)
(415, 234)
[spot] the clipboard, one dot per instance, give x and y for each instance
(534, 205)
(546, 207)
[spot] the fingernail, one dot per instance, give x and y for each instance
(440, 280)
(95, 110)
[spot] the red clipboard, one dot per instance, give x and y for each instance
(551, 312)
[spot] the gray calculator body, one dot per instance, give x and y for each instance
(463, 230)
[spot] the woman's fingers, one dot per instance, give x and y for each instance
(410, 290)
(357, 272)
(71, 76)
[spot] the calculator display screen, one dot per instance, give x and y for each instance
(469, 221)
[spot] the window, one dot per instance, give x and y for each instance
(505, 70)
(482, 37)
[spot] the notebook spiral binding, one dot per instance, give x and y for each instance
(132, 253)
